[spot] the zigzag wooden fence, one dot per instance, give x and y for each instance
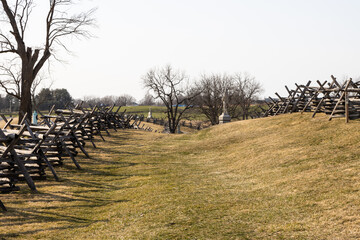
(26, 150)
(332, 98)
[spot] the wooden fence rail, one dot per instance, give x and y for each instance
(27, 150)
(332, 98)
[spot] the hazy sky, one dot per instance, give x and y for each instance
(280, 42)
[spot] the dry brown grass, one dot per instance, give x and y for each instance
(2, 122)
(285, 177)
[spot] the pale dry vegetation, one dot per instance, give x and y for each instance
(284, 177)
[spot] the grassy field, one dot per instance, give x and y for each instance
(160, 112)
(191, 114)
(284, 177)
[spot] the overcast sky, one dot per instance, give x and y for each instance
(280, 42)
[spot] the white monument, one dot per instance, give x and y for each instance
(224, 117)
(149, 114)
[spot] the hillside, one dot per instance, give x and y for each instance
(283, 177)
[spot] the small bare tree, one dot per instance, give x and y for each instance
(11, 79)
(90, 101)
(10, 82)
(107, 100)
(58, 25)
(170, 86)
(212, 88)
(242, 92)
(247, 90)
(148, 100)
(124, 100)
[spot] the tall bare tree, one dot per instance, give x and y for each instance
(58, 25)
(170, 86)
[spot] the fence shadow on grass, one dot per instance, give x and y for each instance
(47, 215)
(31, 216)
(68, 204)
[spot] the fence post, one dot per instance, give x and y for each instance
(346, 106)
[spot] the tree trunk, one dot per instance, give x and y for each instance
(172, 127)
(25, 105)
(214, 119)
(25, 97)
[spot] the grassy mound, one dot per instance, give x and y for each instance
(284, 177)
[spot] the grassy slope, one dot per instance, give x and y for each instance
(281, 177)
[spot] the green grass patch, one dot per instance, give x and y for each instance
(160, 112)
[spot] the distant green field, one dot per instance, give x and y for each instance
(157, 112)
(160, 112)
(191, 114)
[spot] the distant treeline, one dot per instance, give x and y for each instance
(43, 101)
(49, 97)
(61, 98)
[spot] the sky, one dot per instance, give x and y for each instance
(279, 42)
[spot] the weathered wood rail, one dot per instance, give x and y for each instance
(27, 150)
(332, 98)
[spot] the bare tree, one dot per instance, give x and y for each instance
(107, 101)
(122, 100)
(211, 88)
(148, 100)
(247, 90)
(58, 25)
(242, 92)
(10, 82)
(169, 85)
(11, 79)
(90, 101)
(125, 100)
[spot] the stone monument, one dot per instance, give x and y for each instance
(34, 117)
(149, 114)
(224, 117)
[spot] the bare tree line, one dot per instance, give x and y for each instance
(243, 90)
(20, 71)
(173, 88)
(122, 100)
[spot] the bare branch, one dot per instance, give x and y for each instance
(59, 25)
(168, 85)
(10, 80)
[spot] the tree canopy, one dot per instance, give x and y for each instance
(47, 98)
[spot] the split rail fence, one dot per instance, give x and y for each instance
(332, 98)
(26, 150)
